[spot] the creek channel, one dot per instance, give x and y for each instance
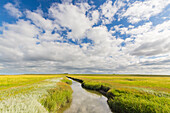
(87, 101)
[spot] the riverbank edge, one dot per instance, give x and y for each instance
(102, 90)
(128, 100)
(62, 88)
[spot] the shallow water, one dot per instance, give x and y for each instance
(87, 102)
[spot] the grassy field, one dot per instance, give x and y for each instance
(8, 81)
(131, 93)
(34, 93)
(51, 93)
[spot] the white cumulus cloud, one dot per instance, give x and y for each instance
(109, 9)
(13, 11)
(143, 10)
(76, 38)
(72, 17)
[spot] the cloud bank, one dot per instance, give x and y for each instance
(82, 38)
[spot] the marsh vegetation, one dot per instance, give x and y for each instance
(52, 93)
(131, 94)
(85, 101)
(34, 93)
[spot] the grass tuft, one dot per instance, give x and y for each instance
(57, 97)
(66, 80)
(131, 101)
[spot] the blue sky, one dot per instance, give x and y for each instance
(85, 36)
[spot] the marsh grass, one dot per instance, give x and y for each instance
(132, 94)
(25, 93)
(66, 80)
(58, 97)
(156, 82)
(26, 99)
(125, 100)
(12, 81)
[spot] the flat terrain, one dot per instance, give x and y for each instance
(33, 93)
(9, 81)
(131, 93)
(155, 82)
(49, 93)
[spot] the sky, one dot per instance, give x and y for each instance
(85, 36)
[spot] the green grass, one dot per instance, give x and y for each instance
(58, 97)
(34, 93)
(133, 104)
(150, 82)
(26, 99)
(132, 94)
(66, 80)
(126, 100)
(9, 81)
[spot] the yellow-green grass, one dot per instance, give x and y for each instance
(9, 81)
(157, 83)
(58, 97)
(132, 94)
(66, 80)
(26, 98)
(32, 93)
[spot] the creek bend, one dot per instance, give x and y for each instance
(84, 101)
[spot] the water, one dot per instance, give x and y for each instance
(86, 102)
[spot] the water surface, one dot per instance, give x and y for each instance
(87, 102)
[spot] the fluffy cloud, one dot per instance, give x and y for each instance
(39, 21)
(13, 11)
(149, 45)
(94, 16)
(143, 10)
(154, 41)
(16, 39)
(72, 17)
(76, 39)
(147, 40)
(109, 9)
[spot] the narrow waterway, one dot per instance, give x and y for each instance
(87, 102)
